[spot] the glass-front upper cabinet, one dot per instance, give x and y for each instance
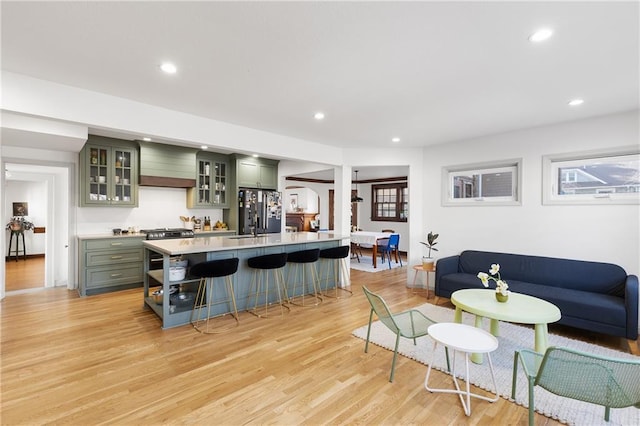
(211, 182)
(108, 174)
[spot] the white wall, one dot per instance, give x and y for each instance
(321, 190)
(607, 233)
(307, 198)
(35, 194)
(157, 207)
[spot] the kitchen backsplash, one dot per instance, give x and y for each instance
(158, 207)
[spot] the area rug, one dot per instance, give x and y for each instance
(512, 337)
(366, 264)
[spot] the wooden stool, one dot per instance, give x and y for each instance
(420, 268)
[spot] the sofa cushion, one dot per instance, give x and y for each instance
(576, 303)
(453, 282)
(595, 277)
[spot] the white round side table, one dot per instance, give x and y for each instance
(467, 339)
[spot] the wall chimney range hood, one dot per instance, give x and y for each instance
(167, 166)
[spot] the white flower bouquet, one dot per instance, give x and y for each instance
(494, 275)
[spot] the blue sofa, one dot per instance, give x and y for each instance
(594, 296)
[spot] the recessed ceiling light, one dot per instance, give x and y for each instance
(146, 139)
(169, 68)
(576, 102)
(395, 140)
(204, 147)
(319, 116)
(540, 35)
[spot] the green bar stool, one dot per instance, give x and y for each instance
(335, 258)
(301, 264)
(205, 299)
(277, 293)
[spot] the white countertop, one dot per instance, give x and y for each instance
(198, 234)
(218, 243)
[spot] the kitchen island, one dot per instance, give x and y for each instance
(175, 311)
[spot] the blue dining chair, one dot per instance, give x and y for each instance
(392, 247)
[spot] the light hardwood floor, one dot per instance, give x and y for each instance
(24, 273)
(105, 360)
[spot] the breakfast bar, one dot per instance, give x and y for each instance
(175, 311)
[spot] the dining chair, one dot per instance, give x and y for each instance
(356, 251)
(410, 324)
(382, 242)
(597, 379)
(391, 248)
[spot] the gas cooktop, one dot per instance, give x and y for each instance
(167, 233)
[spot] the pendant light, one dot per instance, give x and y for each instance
(354, 197)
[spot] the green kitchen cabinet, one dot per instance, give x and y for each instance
(110, 263)
(213, 182)
(257, 173)
(108, 173)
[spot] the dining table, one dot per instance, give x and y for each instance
(370, 238)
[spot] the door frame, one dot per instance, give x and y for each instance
(67, 241)
(354, 209)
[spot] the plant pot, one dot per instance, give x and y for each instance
(501, 297)
(428, 264)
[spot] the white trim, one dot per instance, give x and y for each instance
(551, 164)
(54, 241)
(511, 165)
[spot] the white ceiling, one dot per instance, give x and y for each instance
(428, 72)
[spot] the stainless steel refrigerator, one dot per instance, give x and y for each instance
(259, 210)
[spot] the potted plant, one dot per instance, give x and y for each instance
(428, 262)
(19, 223)
(502, 288)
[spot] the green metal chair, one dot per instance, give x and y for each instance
(610, 382)
(410, 324)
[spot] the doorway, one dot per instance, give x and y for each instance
(45, 190)
(354, 209)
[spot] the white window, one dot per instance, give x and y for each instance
(482, 184)
(600, 177)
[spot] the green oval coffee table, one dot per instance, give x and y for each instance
(520, 308)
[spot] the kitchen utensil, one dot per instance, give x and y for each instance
(117, 231)
(177, 273)
(178, 262)
(182, 299)
(158, 295)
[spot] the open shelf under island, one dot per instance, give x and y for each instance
(177, 312)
